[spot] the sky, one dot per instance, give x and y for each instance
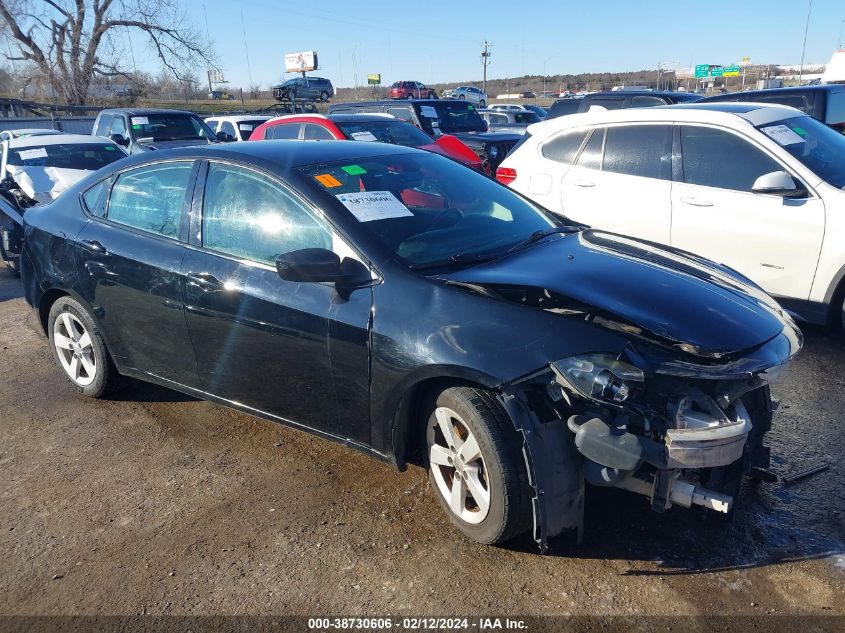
(440, 41)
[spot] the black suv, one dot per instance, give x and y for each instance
(304, 89)
(144, 129)
(825, 103)
(619, 99)
(439, 116)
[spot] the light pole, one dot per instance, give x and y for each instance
(544, 74)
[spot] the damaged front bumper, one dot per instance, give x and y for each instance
(678, 432)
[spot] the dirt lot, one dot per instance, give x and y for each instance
(155, 503)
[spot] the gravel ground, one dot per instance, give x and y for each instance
(156, 503)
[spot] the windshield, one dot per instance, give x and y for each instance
(87, 156)
(430, 211)
(451, 117)
(249, 126)
(393, 132)
(819, 147)
(169, 127)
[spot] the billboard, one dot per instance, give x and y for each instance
(374, 79)
(300, 62)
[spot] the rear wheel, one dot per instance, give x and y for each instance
(475, 465)
(482, 103)
(324, 96)
(462, 97)
(79, 350)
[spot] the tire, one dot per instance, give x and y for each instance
(482, 103)
(462, 97)
(94, 373)
(12, 263)
(409, 97)
(324, 96)
(493, 501)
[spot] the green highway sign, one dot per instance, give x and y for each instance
(701, 70)
(731, 71)
(717, 71)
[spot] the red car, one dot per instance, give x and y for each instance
(411, 90)
(363, 127)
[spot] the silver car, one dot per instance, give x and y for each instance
(469, 93)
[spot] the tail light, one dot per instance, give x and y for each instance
(505, 175)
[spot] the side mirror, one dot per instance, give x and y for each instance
(119, 139)
(309, 264)
(777, 183)
(224, 137)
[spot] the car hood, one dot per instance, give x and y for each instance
(644, 289)
(170, 144)
(44, 184)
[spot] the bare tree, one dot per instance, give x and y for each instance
(70, 42)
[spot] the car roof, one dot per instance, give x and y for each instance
(363, 117)
(695, 112)
(284, 153)
(396, 103)
(639, 93)
(137, 111)
(237, 118)
(57, 139)
(29, 131)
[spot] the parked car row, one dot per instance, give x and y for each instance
(604, 318)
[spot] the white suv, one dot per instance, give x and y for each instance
(756, 187)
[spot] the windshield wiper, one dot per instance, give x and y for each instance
(536, 236)
(456, 259)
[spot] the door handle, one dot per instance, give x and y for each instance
(94, 246)
(696, 202)
(205, 281)
(578, 182)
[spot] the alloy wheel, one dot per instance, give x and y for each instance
(457, 466)
(74, 349)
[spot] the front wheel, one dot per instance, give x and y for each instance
(324, 96)
(462, 97)
(482, 103)
(79, 350)
(476, 467)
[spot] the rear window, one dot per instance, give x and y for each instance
(563, 148)
(387, 131)
(88, 156)
(526, 117)
(283, 131)
(563, 107)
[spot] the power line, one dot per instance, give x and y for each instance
(804, 47)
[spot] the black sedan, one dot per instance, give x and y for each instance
(402, 304)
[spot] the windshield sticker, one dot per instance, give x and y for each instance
(327, 180)
(782, 135)
(470, 108)
(110, 148)
(428, 111)
(27, 154)
(369, 206)
(364, 136)
(246, 127)
(354, 170)
(140, 120)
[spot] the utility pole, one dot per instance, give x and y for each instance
(485, 62)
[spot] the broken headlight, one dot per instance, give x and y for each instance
(599, 376)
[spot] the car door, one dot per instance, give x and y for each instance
(621, 181)
(775, 241)
(297, 351)
(128, 257)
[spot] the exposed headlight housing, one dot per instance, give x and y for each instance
(600, 376)
(493, 151)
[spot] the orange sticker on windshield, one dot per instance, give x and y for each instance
(327, 180)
